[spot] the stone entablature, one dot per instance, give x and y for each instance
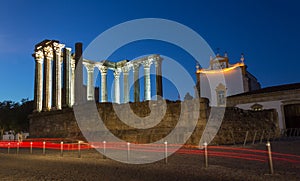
(51, 92)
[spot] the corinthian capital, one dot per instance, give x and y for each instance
(147, 63)
(48, 52)
(89, 67)
(102, 69)
(136, 66)
(117, 73)
(39, 56)
(126, 69)
(58, 47)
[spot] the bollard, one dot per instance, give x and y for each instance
(254, 137)
(270, 158)
(104, 149)
(128, 151)
(262, 136)
(166, 152)
(44, 148)
(79, 149)
(18, 146)
(246, 136)
(61, 149)
(8, 148)
(205, 155)
(30, 147)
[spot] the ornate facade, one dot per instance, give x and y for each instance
(222, 79)
(56, 78)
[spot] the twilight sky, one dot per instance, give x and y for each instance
(267, 32)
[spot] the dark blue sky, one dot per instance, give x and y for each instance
(267, 32)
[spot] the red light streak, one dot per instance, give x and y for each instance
(213, 151)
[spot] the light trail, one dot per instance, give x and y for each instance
(213, 151)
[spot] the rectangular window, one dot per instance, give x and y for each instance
(221, 98)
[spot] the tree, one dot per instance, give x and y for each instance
(14, 116)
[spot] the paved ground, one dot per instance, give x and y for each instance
(91, 166)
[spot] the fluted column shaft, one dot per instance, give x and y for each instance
(38, 84)
(125, 84)
(72, 82)
(103, 71)
(136, 82)
(117, 86)
(147, 81)
(159, 88)
(67, 77)
(90, 82)
(57, 76)
(47, 79)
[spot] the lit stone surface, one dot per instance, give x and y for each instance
(103, 71)
(53, 92)
(117, 86)
(90, 81)
(147, 81)
(47, 78)
(136, 82)
(39, 58)
(57, 78)
(126, 86)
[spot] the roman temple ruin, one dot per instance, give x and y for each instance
(58, 85)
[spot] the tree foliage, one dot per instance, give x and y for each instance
(14, 115)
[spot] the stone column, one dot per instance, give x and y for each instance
(56, 91)
(125, 70)
(48, 53)
(159, 88)
(90, 81)
(147, 81)
(103, 71)
(136, 82)
(79, 93)
(67, 76)
(198, 83)
(72, 81)
(117, 86)
(38, 83)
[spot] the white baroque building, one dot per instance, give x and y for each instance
(222, 79)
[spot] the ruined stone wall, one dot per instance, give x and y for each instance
(237, 122)
(63, 124)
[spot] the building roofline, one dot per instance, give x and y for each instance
(277, 88)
